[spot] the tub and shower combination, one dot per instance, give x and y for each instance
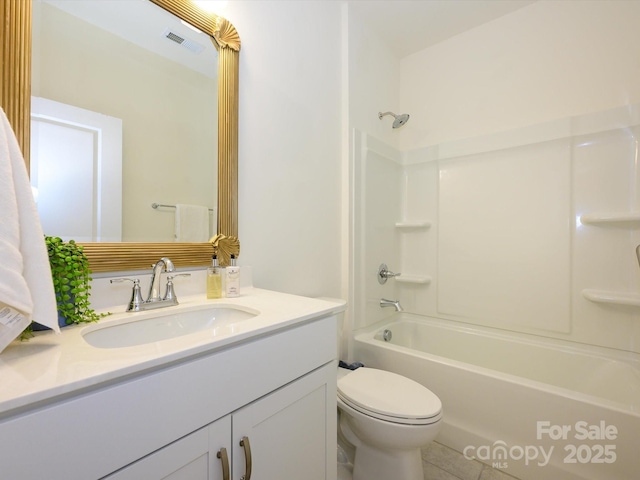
(526, 230)
(533, 407)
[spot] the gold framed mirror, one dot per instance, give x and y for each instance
(15, 98)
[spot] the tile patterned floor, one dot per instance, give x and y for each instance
(443, 463)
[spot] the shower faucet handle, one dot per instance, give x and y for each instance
(384, 274)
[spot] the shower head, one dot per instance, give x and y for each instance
(399, 121)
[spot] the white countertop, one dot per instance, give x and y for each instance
(51, 366)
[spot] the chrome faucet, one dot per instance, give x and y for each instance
(391, 303)
(137, 304)
(164, 264)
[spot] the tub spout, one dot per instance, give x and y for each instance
(391, 303)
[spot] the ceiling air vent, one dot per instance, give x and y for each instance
(190, 45)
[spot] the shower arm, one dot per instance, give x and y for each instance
(381, 114)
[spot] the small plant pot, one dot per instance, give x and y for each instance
(62, 322)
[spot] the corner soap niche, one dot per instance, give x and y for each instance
(612, 298)
(620, 220)
(628, 220)
(415, 279)
(413, 225)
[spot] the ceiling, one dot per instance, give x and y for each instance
(408, 26)
(413, 25)
(145, 24)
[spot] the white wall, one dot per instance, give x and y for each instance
(549, 60)
(374, 82)
(290, 144)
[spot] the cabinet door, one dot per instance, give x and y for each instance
(291, 433)
(194, 457)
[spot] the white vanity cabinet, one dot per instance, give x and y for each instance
(170, 420)
(288, 430)
(194, 457)
(282, 435)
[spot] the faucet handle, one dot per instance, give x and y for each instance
(384, 274)
(136, 295)
(170, 294)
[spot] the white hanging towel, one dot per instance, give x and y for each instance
(26, 287)
(192, 223)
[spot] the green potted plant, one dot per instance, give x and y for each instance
(71, 282)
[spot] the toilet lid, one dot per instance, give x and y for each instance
(389, 396)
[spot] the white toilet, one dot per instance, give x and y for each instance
(387, 418)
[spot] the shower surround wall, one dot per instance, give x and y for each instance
(506, 247)
(532, 230)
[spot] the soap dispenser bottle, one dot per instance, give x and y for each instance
(214, 279)
(232, 284)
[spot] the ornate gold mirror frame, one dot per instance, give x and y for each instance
(15, 98)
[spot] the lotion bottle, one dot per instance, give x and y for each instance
(214, 279)
(232, 283)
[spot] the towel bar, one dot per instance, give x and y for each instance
(156, 205)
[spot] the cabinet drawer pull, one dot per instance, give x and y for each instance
(222, 455)
(247, 458)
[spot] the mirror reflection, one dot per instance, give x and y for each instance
(129, 107)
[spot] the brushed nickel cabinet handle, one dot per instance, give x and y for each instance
(247, 458)
(222, 455)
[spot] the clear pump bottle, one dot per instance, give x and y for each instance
(214, 279)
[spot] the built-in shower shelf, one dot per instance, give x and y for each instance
(418, 279)
(630, 219)
(413, 225)
(614, 298)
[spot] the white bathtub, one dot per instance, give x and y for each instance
(534, 407)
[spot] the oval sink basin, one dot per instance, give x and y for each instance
(164, 326)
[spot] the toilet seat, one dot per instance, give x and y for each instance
(390, 397)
